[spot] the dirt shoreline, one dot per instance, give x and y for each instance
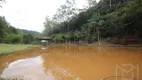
(115, 45)
(102, 44)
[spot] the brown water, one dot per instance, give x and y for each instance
(73, 63)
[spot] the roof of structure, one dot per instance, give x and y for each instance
(44, 38)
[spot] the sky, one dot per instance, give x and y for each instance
(31, 14)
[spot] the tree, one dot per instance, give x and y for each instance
(49, 26)
(3, 24)
(14, 38)
(66, 11)
(92, 3)
(28, 38)
(108, 18)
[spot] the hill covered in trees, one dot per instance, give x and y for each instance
(35, 33)
(10, 34)
(117, 20)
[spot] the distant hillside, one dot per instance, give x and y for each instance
(35, 33)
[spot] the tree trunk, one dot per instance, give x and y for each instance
(98, 35)
(110, 4)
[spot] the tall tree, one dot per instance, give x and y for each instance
(92, 3)
(3, 25)
(49, 24)
(66, 11)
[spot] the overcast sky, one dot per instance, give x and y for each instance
(30, 14)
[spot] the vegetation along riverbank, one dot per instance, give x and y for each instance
(115, 21)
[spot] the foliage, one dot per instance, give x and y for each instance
(9, 34)
(14, 38)
(58, 37)
(28, 38)
(3, 24)
(108, 18)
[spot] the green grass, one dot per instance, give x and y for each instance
(9, 48)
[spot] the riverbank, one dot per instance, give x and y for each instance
(98, 44)
(114, 45)
(6, 49)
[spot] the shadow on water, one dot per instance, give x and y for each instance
(70, 63)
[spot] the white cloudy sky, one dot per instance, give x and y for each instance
(30, 14)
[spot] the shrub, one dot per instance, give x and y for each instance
(14, 38)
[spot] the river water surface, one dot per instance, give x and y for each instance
(73, 63)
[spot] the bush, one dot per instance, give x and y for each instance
(28, 38)
(14, 38)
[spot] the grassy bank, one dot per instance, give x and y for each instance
(9, 48)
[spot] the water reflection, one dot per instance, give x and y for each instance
(33, 69)
(44, 48)
(28, 69)
(69, 62)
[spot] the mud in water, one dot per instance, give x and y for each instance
(74, 63)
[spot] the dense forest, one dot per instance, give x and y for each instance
(116, 21)
(10, 34)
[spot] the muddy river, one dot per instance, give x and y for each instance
(74, 63)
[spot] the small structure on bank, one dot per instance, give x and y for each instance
(44, 40)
